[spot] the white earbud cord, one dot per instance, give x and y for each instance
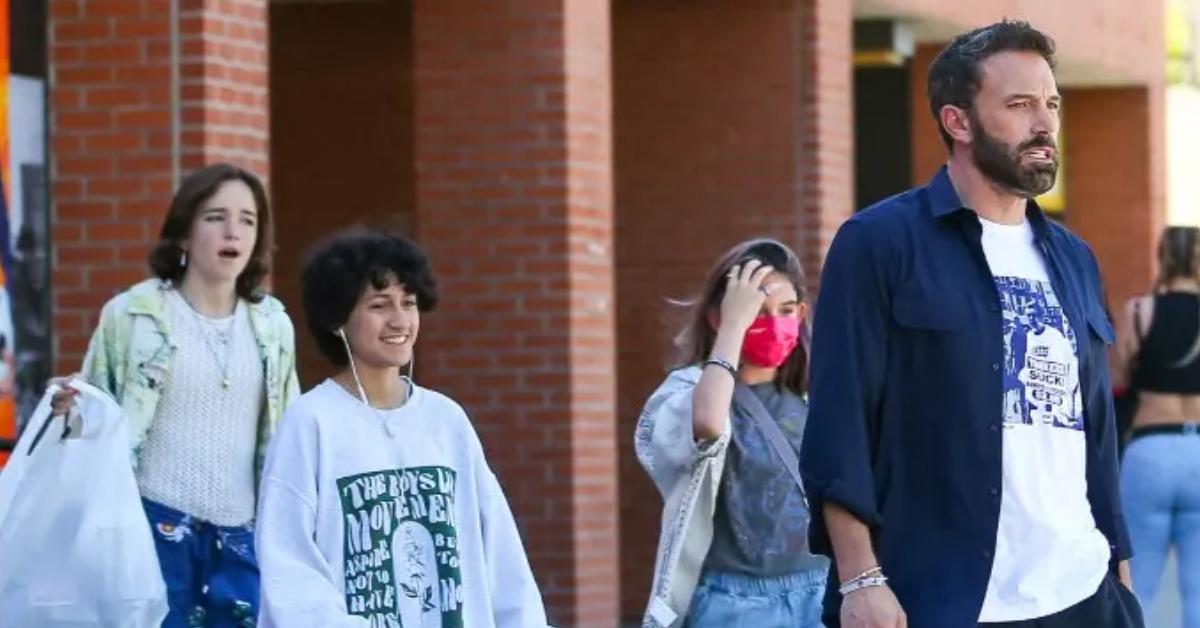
(362, 392)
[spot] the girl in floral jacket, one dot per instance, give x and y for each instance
(203, 363)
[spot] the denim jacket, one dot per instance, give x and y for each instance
(688, 475)
(130, 354)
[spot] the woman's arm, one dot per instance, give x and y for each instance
(1129, 339)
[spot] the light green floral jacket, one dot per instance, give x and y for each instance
(130, 355)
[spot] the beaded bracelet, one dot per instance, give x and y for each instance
(723, 364)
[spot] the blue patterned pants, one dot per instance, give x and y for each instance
(210, 571)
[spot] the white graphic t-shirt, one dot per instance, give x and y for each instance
(1049, 554)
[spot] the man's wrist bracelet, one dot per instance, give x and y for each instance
(862, 583)
(870, 572)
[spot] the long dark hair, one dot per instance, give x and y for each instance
(197, 188)
(694, 342)
(1178, 256)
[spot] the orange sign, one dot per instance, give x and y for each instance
(8, 406)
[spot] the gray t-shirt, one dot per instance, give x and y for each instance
(760, 527)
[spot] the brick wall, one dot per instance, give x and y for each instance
(1099, 41)
(223, 89)
(495, 122)
(826, 141)
(342, 134)
(118, 132)
(732, 121)
(1113, 165)
(513, 196)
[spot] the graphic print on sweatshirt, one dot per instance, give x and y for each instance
(1041, 371)
(401, 551)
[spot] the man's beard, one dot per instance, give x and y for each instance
(1002, 164)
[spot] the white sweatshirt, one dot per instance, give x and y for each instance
(387, 519)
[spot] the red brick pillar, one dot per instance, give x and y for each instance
(514, 204)
(733, 120)
(928, 149)
(826, 141)
(1115, 183)
(139, 94)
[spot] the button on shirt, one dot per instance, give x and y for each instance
(907, 396)
(1049, 554)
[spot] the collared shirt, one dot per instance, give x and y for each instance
(130, 356)
(906, 390)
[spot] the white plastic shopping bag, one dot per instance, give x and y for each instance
(75, 546)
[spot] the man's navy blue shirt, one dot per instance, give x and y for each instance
(905, 423)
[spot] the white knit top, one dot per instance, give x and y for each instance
(198, 457)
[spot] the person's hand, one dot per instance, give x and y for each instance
(744, 295)
(64, 399)
(1124, 575)
(872, 607)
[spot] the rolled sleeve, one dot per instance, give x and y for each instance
(665, 442)
(849, 357)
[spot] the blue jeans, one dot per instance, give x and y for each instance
(1160, 491)
(731, 600)
(210, 571)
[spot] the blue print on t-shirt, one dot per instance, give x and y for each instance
(1041, 371)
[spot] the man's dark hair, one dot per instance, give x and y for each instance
(954, 77)
(338, 270)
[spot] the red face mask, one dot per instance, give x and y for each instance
(770, 340)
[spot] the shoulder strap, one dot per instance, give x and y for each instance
(1138, 333)
(1192, 354)
(744, 397)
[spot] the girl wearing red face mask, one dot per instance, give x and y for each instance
(720, 438)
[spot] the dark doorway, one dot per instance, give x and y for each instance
(341, 134)
(882, 133)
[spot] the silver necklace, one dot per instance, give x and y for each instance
(224, 336)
